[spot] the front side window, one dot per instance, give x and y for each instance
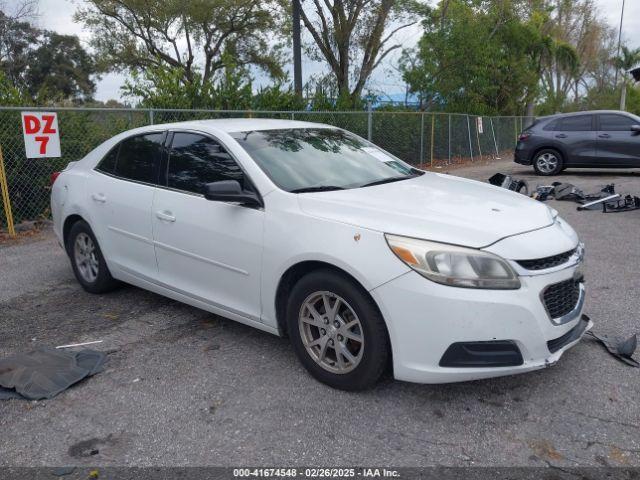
(139, 156)
(579, 123)
(616, 123)
(300, 159)
(195, 160)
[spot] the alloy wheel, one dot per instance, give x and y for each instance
(331, 332)
(85, 257)
(547, 162)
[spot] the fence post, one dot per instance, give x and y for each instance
(422, 138)
(369, 121)
(4, 188)
(292, 115)
(493, 133)
(151, 116)
(469, 133)
(433, 131)
(449, 141)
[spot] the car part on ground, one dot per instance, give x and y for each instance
(44, 373)
(606, 198)
(623, 350)
(508, 182)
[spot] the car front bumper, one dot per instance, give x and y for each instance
(425, 319)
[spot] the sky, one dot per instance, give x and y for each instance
(57, 15)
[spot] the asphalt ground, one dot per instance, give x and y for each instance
(184, 387)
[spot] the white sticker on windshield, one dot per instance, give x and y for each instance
(378, 154)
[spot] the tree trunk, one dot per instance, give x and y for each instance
(623, 97)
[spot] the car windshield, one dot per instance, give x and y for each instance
(317, 159)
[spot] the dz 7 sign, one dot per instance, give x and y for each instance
(41, 136)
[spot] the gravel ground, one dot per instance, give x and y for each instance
(184, 387)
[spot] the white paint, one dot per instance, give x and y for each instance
(229, 259)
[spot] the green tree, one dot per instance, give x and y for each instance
(186, 38)
(60, 68)
(474, 57)
(626, 61)
(353, 37)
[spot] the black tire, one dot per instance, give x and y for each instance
(541, 162)
(375, 345)
(103, 281)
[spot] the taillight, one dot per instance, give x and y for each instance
(54, 176)
(524, 136)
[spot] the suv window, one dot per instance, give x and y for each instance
(139, 156)
(195, 160)
(616, 123)
(579, 123)
(108, 163)
(551, 126)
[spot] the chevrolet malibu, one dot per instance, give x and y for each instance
(309, 231)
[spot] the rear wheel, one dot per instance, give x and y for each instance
(548, 162)
(337, 331)
(87, 261)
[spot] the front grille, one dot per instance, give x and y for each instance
(547, 262)
(561, 298)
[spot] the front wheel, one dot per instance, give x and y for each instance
(548, 162)
(337, 331)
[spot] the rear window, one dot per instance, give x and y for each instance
(108, 163)
(138, 158)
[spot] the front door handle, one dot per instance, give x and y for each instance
(166, 216)
(561, 135)
(98, 197)
(604, 135)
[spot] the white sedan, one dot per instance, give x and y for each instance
(309, 231)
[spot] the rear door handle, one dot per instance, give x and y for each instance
(561, 135)
(604, 135)
(98, 197)
(166, 216)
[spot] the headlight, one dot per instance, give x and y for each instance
(453, 265)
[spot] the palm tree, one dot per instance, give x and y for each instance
(625, 62)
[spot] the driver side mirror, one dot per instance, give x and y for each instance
(230, 191)
(635, 128)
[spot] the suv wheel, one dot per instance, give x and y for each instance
(87, 261)
(548, 162)
(337, 331)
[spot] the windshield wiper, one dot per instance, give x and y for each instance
(389, 180)
(319, 188)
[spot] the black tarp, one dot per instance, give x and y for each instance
(45, 372)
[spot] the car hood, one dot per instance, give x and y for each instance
(434, 206)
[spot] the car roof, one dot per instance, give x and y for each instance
(233, 125)
(585, 112)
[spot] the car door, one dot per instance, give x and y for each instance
(121, 195)
(618, 144)
(577, 138)
(209, 250)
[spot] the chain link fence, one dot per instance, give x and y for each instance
(421, 139)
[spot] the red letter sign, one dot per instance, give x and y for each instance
(41, 136)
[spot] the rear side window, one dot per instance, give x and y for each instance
(579, 123)
(139, 157)
(195, 160)
(616, 123)
(551, 126)
(108, 163)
